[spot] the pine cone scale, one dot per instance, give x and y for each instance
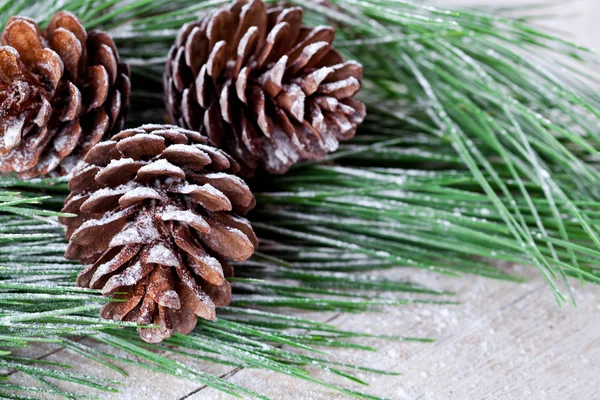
(69, 50)
(139, 146)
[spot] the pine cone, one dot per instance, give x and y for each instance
(156, 218)
(61, 91)
(270, 92)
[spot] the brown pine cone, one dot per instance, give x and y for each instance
(156, 218)
(61, 91)
(271, 92)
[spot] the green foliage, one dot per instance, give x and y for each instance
(466, 99)
(501, 146)
(39, 303)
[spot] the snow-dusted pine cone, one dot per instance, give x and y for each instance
(157, 218)
(263, 87)
(61, 91)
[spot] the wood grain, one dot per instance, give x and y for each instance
(505, 341)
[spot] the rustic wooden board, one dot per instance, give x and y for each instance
(506, 340)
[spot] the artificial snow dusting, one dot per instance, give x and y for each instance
(163, 255)
(107, 192)
(142, 230)
(161, 166)
(129, 277)
(185, 188)
(119, 163)
(12, 131)
(172, 213)
(104, 269)
(106, 219)
(213, 191)
(186, 148)
(141, 192)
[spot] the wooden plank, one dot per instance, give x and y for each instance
(506, 340)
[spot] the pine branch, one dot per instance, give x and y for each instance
(478, 88)
(476, 148)
(38, 303)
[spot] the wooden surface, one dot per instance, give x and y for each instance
(506, 341)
